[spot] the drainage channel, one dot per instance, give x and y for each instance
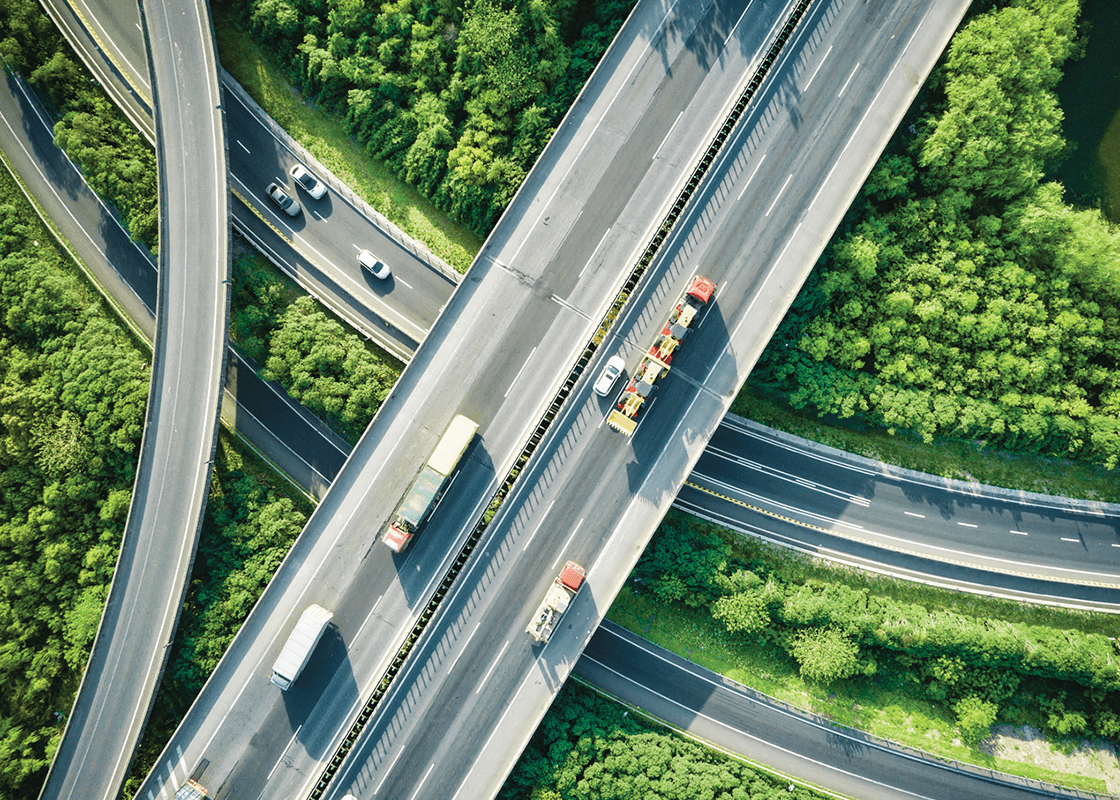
(565, 390)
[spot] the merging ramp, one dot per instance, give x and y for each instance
(180, 433)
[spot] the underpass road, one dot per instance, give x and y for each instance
(318, 248)
(804, 746)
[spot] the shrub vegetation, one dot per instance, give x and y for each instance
(117, 163)
(963, 297)
(982, 668)
(589, 747)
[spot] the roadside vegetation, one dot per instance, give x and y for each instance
(963, 298)
(336, 374)
(457, 99)
(116, 161)
(73, 385)
(73, 388)
(326, 137)
(926, 667)
(589, 747)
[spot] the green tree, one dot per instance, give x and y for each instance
(975, 718)
(825, 655)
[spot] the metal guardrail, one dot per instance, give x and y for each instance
(562, 394)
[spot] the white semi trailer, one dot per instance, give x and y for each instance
(301, 643)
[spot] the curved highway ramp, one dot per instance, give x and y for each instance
(180, 433)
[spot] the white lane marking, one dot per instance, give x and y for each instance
(590, 136)
(539, 524)
(279, 760)
(779, 197)
(344, 280)
(1067, 539)
(243, 147)
(818, 69)
(967, 525)
(912, 514)
(751, 178)
(499, 728)
(667, 135)
(845, 86)
(19, 138)
(369, 616)
(1116, 545)
(421, 784)
(772, 472)
(594, 252)
(565, 547)
(396, 279)
(486, 677)
(465, 643)
(728, 39)
(389, 771)
(1020, 533)
(514, 381)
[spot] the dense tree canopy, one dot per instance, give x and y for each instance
(965, 298)
(589, 748)
(458, 97)
(72, 395)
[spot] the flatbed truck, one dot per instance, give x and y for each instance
(656, 362)
(556, 602)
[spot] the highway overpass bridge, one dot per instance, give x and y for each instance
(791, 176)
(181, 427)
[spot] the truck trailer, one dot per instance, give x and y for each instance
(301, 643)
(424, 493)
(556, 602)
(191, 790)
(656, 363)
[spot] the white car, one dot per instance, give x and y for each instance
(371, 263)
(312, 185)
(281, 198)
(609, 375)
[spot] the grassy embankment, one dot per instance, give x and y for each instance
(325, 137)
(864, 703)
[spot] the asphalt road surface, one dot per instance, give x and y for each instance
(966, 536)
(319, 247)
(475, 688)
(181, 428)
(793, 742)
(636, 674)
(497, 354)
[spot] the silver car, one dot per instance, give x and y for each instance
(312, 185)
(286, 202)
(371, 263)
